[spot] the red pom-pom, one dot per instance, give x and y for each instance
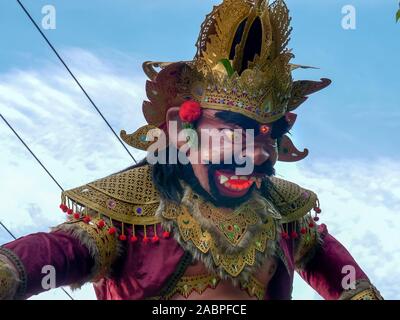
(155, 239)
(122, 237)
(166, 234)
(112, 231)
(303, 231)
(311, 225)
(63, 207)
(294, 235)
(133, 239)
(77, 215)
(317, 210)
(87, 219)
(70, 211)
(285, 235)
(190, 111)
(101, 224)
(316, 219)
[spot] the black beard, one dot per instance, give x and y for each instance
(215, 197)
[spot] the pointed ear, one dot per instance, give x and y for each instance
(288, 152)
(174, 126)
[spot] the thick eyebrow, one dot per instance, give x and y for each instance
(239, 120)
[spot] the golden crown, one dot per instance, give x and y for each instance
(242, 65)
(244, 61)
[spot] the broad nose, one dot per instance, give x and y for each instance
(257, 153)
(260, 155)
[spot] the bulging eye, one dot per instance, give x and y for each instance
(265, 129)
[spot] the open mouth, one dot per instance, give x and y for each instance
(233, 185)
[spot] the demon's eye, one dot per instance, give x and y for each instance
(265, 129)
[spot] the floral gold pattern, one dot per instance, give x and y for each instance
(200, 283)
(132, 194)
(234, 263)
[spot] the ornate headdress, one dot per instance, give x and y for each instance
(242, 65)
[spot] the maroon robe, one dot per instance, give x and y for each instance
(143, 270)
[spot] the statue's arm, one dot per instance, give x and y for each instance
(79, 252)
(329, 268)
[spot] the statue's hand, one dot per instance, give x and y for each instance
(8, 279)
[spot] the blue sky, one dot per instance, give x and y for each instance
(361, 105)
(350, 128)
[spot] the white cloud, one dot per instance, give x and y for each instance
(51, 114)
(360, 202)
(360, 198)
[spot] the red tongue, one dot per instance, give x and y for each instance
(239, 183)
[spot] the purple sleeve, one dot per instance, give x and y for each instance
(71, 260)
(324, 271)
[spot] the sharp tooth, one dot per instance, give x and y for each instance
(234, 178)
(223, 179)
(258, 183)
(227, 184)
(243, 178)
(253, 179)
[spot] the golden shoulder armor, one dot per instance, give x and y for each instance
(292, 201)
(129, 197)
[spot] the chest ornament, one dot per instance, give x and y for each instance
(219, 225)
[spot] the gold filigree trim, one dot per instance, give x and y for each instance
(307, 244)
(369, 294)
(200, 283)
(9, 281)
(254, 288)
(292, 201)
(233, 263)
(129, 197)
(364, 290)
(102, 246)
(189, 284)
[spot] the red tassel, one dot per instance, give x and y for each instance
(86, 219)
(311, 225)
(316, 219)
(101, 224)
(166, 234)
(294, 235)
(303, 231)
(155, 239)
(112, 231)
(69, 211)
(285, 235)
(63, 207)
(133, 239)
(317, 210)
(77, 215)
(122, 237)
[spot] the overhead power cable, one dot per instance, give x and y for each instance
(43, 167)
(75, 78)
